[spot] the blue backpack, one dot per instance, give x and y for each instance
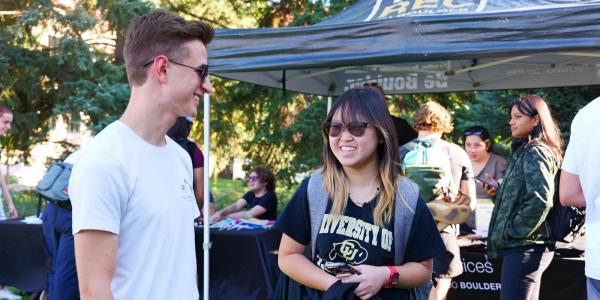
(54, 186)
(55, 183)
(428, 165)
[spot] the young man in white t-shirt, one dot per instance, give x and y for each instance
(580, 186)
(131, 191)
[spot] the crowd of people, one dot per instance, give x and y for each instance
(356, 227)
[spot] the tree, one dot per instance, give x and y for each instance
(262, 124)
(51, 64)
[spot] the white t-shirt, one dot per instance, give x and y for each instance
(143, 194)
(582, 158)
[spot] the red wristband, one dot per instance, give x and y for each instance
(394, 278)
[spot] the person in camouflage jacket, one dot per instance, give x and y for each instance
(524, 199)
(518, 231)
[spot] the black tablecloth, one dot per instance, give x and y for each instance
(24, 262)
(564, 278)
(243, 266)
(242, 263)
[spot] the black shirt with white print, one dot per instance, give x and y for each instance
(356, 239)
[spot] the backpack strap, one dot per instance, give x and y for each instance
(407, 196)
(317, 204)
(404, 149)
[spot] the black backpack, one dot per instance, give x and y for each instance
(564, 221)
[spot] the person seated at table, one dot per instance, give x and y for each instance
(179, 132)
(260, 202)
(487, 165)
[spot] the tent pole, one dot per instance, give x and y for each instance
(328, 103)
(206, 242)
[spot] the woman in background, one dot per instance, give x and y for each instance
(517, 229)
(260, 201)
(179, 132)
(488, 166)
(6, 118)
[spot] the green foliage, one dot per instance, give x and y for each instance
(491, 109)
(26, 202)
(76, 77)
(262, 124)
(48, 67)
(225, 191)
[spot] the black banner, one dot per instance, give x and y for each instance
(564, 279)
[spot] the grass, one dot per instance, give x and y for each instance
(226, 191)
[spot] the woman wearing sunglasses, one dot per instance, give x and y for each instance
(488, 166)
(260, 201)
(346, 212)
(517, 229)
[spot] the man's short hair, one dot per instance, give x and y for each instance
(159, 32)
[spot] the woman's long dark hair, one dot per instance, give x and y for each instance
(546, 131)
(366, 105)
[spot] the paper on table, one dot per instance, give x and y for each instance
(483, 215)
(32, 220)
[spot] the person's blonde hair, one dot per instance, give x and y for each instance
(433, 117)
(366, 105)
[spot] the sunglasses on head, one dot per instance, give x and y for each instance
(355, 128)
(202, 70)
(478, 132)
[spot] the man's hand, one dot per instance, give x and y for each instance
(216, 217)
(370, 281)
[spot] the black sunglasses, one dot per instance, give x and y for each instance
(478, 132)
(202, 70)
(356, 129)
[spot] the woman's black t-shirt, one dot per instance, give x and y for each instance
(268, 201)
(356, 239)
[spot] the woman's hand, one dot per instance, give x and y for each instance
(12, 210)
(370, 281)
(493, 188)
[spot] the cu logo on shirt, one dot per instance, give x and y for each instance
(350, 251)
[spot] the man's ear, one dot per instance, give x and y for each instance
(159, 68)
